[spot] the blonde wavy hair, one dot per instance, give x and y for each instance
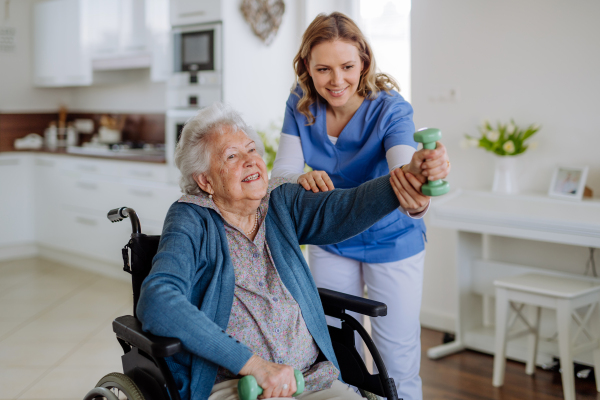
(327, 28)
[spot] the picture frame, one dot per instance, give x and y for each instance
(568, 182)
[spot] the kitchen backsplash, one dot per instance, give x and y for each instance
(148, 128)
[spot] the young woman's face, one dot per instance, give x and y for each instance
(335, 68)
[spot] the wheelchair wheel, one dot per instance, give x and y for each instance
(121, 385)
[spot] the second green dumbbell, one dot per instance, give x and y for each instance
(248, 388)
(428, 137)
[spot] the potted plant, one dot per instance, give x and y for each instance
(505, 141)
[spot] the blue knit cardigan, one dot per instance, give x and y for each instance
(189, 291)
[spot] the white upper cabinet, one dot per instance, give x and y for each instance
(75, 37)
(60, 54)
(102, 27)
(187, 12)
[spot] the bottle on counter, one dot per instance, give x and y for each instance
(51, 136)
(61, 140)
(72, 138)
(61, 136)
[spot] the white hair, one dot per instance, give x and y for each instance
(192, 154)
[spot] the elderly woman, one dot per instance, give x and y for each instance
(229, 279)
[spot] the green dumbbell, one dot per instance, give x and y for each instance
(428, 136)
(248, 388)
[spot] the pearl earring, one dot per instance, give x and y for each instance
(210, 196)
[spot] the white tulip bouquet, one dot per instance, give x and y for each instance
(504, 139)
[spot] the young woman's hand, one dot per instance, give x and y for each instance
(408, 190)
(432, 164)
(316, 181)
(276, 380)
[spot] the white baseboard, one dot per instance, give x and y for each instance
(100, 267)
(18, 251)
(438, 321)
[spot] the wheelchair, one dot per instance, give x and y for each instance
(146, 375)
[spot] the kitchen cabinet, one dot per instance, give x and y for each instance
(187, 12)
(117, 32)
(59, 203)
(59, 47)
(84, 189)
(16, 200)
(72, 38)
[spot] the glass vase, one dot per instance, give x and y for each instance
(505, 175)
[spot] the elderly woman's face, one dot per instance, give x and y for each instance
(237, 172)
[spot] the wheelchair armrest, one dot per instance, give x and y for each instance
(129, 329)
(336, 302)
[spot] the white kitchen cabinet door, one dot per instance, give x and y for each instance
(60, 55)
(186, 12)
(102, 21)
(16, 200)
(158, 29)
(48, 192)
(133, 35)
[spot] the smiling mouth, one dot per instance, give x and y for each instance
(251, 177)
(337, 92)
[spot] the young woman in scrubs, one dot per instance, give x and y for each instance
(345, 121)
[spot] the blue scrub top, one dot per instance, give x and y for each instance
(357, 157)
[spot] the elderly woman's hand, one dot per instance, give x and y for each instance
(432, 164)
(276, 380)
(408, 190)
(316, 181)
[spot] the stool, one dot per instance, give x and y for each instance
(565, 295)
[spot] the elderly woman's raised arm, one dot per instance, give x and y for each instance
(331, 217)
(166, 305)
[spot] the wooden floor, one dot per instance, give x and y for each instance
(468, 376)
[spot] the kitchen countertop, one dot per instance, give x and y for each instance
(139, 158)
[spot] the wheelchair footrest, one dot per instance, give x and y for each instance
(129, 329)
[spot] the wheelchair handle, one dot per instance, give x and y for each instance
(119, 214)
(248, 388)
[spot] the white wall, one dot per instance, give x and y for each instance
(257, 77)
(534, 61)
(127, 91)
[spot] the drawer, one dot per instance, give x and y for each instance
(143, 171)
(88, 193)
(93, 235)
(151, 203)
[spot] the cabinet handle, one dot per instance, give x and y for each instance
(135, 47)
(141, 174)
(87, 168)
(86, 185)
(141, 193)
(44, 163)
(191, 14)
(86, 221)
(8, 162)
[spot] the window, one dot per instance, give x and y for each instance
(386, 23)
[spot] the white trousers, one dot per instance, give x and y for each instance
(399, 285)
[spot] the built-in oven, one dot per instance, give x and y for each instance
(196, 78)
(175, 120)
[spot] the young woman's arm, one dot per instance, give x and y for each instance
(289, 162)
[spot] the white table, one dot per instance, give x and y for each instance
(477, 215)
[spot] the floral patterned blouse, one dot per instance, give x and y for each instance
(265, 316)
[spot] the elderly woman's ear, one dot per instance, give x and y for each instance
(203, 183)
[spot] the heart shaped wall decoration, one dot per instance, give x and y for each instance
(264, 17)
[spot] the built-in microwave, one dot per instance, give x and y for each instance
(196, 78)
(197, 48)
